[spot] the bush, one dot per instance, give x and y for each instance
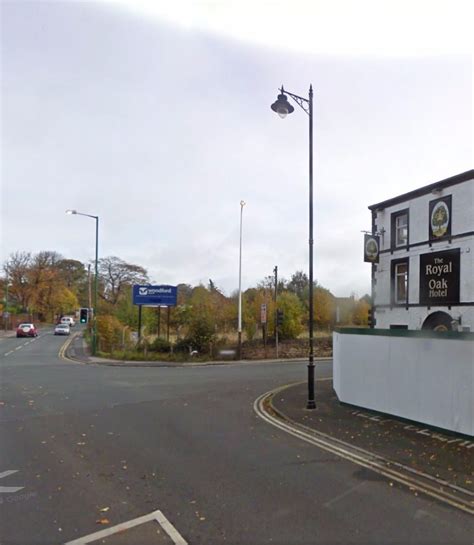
(160, 345)
(182, 346)
(111, 332)
(201, 334)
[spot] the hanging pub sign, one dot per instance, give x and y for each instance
(439, 278)
(440, 218)
(371, 248)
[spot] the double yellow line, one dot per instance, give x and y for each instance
(65, 346)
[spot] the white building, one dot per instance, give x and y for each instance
(424, 277)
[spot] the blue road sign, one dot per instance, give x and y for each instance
(155, 295)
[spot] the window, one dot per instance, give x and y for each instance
(401, 282)
(399, 229)
(399, 275)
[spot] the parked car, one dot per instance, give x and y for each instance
(62, 329)
(26, 330)
(68, 320)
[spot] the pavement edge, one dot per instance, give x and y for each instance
(414, 480)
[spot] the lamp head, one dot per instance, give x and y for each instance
(71, 212)
(281, 106)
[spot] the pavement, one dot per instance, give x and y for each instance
(446, 458)
(79, 351)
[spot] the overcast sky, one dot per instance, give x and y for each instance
(156, 117)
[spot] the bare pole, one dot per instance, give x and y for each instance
(239, 326)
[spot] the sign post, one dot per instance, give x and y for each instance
(154, 296)
(263, 320)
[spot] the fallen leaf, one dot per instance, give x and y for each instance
(104, 509)
(102, 521)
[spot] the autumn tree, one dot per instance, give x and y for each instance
(324, 308)
(115, 274)
(293, 313)
(360, 315)
(299, 284)
(17, 269)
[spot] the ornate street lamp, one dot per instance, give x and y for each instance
(282, 107)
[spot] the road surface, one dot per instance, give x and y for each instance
(86, 448)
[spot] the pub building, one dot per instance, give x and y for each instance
(422, 253)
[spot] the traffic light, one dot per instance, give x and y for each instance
(279, 318)
(371, 319)
(84, 317)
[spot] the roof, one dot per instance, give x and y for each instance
(459, 178)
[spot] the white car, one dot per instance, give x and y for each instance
(68, 320)
(62, 329)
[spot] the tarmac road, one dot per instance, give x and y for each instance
(88, 447)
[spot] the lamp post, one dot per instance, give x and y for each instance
(5, 313)
(94, 328)
(282, 107)
(239, 327)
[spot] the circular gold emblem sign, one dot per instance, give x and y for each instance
(439, 219)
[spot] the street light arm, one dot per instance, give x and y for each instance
(88, 215)
(302, 102)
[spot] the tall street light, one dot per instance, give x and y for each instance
(282, 107)
(94, 328)
(239, 328)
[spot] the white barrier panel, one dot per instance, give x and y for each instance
(425, 377)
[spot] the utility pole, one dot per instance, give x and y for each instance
(275, 271)
(90, 285)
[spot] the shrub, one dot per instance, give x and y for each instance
(160, 345)
(111, 332)
(182, 346)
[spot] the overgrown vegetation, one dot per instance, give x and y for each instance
(46, 286)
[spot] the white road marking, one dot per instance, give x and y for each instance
(155, 515)
(9, 489)
(343, 495)
(18, 347)
(8, 472)
(8, 353)
(170, 529)
(369, 460)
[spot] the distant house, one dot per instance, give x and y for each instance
(422, 253)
